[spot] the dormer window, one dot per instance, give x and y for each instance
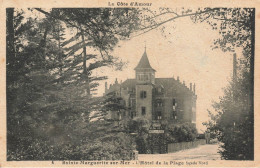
(159, 89)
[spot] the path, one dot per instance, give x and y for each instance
(202, 152)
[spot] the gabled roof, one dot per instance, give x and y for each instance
(144, 63)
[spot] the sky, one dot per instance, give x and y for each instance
(185, 52)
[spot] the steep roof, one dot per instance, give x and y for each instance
(169, 84)
(129, 83)
(144, 63)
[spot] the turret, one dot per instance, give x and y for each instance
(145, 74)
(145, 77)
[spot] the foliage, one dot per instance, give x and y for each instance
(139, 128)
(50, 83)
(110, 103)
(115, 145)
(234, 122)
(183, 132)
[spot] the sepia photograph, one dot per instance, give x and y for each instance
(129, 84)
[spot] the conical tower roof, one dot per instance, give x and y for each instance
(144, 63)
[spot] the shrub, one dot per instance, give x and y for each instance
(98, 141)
(184, 132)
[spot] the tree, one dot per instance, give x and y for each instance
(48, 95)
(24, 38)
(234, 122)
(99, 29)
(113, 104)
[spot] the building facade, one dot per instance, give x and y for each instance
(155, 99)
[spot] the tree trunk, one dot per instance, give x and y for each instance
(60, 54)
(85, 71)
(42, 45)
(11, 78)
(10, 60)
(10, 46)
(251, 91)
(251, 88)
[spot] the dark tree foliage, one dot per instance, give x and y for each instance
(113, 104)
(50, 83)
(139, 129)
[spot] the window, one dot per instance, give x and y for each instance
(143, 111)
(143, 77)
(139, 77)
(159, 115)
(133, 114)
(143, 94)
(174, 115)
(173, 102)
(159, 103)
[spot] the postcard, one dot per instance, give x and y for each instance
(129, 83)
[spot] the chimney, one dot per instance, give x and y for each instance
(190, 86)
(194, 88)
(178, 78)
(105, 86)
(184, 83)
(116, 82)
